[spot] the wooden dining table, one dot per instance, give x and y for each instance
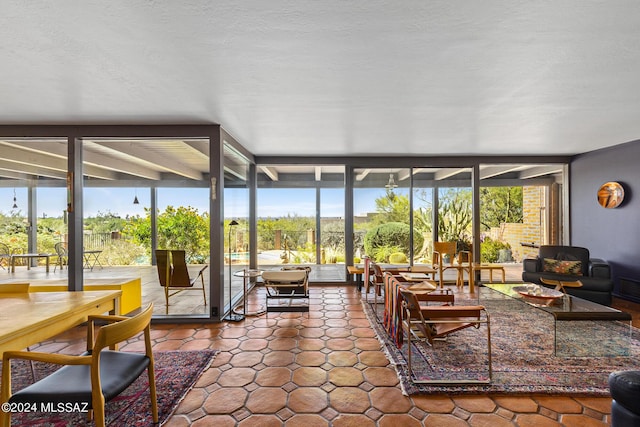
(32, 317)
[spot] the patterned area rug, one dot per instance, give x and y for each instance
(176, 372)
(524, 361)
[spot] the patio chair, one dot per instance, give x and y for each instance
(430, 323)
(5, 254)
(290, 284)
(174, 274)
(93, 378)
(62, 251)
(446, 256)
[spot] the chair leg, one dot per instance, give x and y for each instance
(204, 295)
(166, 299)
(152, 392)
(98, 410)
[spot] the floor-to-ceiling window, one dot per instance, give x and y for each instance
(145, 194)
(306, 203)
(300, 218)
(454, 207)
(381, 220)
(423, 214)
(33, 216)
(520, 209)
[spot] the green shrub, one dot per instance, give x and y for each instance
(120, 252)
(489, 249)
(385, 239)
(398, 258)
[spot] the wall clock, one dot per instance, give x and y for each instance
(610, 194)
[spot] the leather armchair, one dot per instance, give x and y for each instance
(593, 273)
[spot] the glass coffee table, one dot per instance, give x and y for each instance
(572, 317)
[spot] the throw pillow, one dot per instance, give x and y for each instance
(570, 268)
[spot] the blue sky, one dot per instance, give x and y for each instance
(119, 201)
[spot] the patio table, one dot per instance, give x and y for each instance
(91, 258)
(29, 257)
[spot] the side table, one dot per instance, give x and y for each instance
(246, 275)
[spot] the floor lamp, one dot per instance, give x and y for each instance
(233, 317)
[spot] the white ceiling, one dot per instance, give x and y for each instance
(334, 77)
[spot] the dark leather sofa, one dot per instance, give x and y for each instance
(595, 274)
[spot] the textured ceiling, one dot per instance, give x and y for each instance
(334, 77)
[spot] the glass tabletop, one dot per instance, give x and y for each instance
(566, 307)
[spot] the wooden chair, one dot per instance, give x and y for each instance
(430, 323)
(93, 378)
(366, 277)
(174, 274)
(62, 251)
(290, 284)
(461, 261)
(375, 280)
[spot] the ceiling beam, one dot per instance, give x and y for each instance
(13, 175)
(199, 145)
(272, 173)
(237, 171)
(139, 152)
(491, 171)
(362, 175)
(448, 172)
(21, 168)
(42, 160)
(95, 160)
(406, 173)
(540, 171)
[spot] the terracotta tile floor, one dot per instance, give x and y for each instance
(326, 368)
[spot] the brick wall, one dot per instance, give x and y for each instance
(529, 231)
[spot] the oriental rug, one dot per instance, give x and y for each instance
(524, 361)
(176, 373)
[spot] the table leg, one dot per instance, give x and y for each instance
(460, 278)
(47, 263)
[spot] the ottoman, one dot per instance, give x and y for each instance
(625, 392)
